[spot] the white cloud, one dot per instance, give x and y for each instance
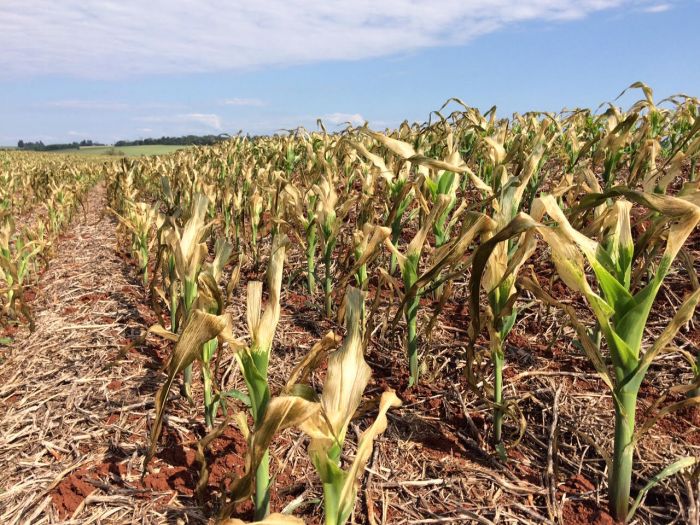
(341, 118)
(107, 39)
(209, 120)
(77, 134)
(658, 8)
(254, 102)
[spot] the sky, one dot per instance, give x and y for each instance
(111, 70)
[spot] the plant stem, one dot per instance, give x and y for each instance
(190, 291)
(411, 313)
(311, 258)
(620, 477)
(254, 366)
(327, 279)
(696, 391)
(413, 347)
(210, 406)
(262, 487)
(331, 498)
(236, 232)
(395, 235)
(498, 360)
(410, 276)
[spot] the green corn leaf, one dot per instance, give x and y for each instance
(670, 470)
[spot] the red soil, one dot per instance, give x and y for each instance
(585, 513)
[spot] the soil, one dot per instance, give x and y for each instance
(71, 492)
(577, 484)
(585, 513)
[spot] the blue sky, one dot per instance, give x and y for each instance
(120, 70)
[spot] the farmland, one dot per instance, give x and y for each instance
(474, 319)
(123, 151)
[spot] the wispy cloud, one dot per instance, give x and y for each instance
(77, 134)
(658, 8)
(253, 102)
(107, 39)
(209, 120)
(341, 118)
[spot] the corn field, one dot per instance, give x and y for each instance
(474, 319)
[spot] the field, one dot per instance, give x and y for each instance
(123, 151)
(471, 320)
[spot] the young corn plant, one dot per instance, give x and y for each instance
(232, 204)
(444, 182)
(611, 148)
(347, 376)
(16, 262)
(189, 253)
(301, 208)
(620, 311)
(330, 220)
(255, 209)
(366, 241)
(283, 411)
(211, 299)
(227, 210)
(254, 360)
(326, 421)
(495, 266)
(139, 221)
(409, 263)
(399, 195)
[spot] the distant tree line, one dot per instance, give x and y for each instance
(40, 146)
(186, 140)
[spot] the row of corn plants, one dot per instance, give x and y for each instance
(28, 231)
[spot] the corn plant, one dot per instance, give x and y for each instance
(496, 263)
(366, 241)
(283, 411)
(16, 262)
(189, 253)
(409, 263)
(301, 208)
(213, 302)
(139, 221)
(347, 376)
(444, 182)
(620, 311)
(326, 421)
(255, 359)
(330, 219)
(256, 206)
(399, 190)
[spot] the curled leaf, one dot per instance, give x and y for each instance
(200, 328)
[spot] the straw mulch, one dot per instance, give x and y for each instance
(73, 412)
